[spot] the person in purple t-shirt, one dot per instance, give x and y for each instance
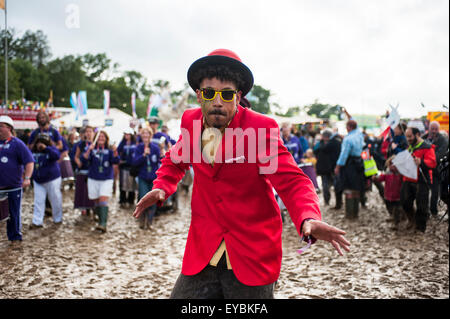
(43, 121)
(46, 181)
(101, 175)
(14, 156)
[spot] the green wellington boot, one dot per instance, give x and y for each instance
(103, 218)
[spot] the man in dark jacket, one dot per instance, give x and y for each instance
(441, 143)
(327, 153)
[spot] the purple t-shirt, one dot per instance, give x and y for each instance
(46, 167)
(53, 133)
(14, 155)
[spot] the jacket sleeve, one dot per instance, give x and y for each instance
(292, 185)
(114, 159)
(172, 170)
(429, 158)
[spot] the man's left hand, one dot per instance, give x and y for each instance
(323, 231)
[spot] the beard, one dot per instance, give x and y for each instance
(42, 122)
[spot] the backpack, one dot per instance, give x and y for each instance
(443, 176)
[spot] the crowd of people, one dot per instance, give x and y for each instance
(46, 158)
(339, 161)
(87, 157)
(234, 244)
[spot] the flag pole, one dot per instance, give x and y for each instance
(6, 53)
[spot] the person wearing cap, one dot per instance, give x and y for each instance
(14, 157)
(127, 183)
(46, 181)
(234, 245)
(160, 139)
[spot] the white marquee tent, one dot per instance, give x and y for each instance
(114, 124)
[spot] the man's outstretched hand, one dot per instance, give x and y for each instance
(148, 200)
(323, 231)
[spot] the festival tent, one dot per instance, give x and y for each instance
(114, 124)
(295, 120)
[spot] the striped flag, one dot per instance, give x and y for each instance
(82, 102)
(74, 104)
(106, 102)
(133, 104)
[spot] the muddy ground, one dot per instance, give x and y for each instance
(73, 261)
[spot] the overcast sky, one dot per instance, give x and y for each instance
(362, 54)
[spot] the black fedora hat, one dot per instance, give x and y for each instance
(222, 57)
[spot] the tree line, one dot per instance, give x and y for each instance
(33, 73)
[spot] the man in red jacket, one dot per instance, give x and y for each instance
(418, 190)
(233, 248)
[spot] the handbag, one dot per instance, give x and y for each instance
(134, 171)
(370, 166)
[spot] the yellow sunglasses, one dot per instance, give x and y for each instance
(225, 95)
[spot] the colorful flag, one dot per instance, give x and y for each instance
(394, 118)
(2, 4)
(82, 103)
(385, 133)
(149, 106)
(106, 102)
(133, 104)
(74, 104)
(155, 102)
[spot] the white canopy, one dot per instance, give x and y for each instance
(114, 124)
(294, 120)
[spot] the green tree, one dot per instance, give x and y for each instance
(14, 92)
(95, 65)
(34, 47)
(321, 110)
(259, 98)
(12, 42)
(34, 82)
(66, 76)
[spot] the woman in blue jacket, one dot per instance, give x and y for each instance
(127, 183)
(46, 180)
(101, 158)
(147, 158)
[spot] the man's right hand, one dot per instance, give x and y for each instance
(148, 200)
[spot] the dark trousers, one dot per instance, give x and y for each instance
(419, 192)
(395, 210)
(328, 180)
(217, 283)
(14, 223)
(127, 197)
(435, 192)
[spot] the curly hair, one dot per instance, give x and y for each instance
(221, 72)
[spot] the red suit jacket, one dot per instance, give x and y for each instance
(234, 201)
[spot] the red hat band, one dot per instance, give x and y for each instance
(225, 52)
